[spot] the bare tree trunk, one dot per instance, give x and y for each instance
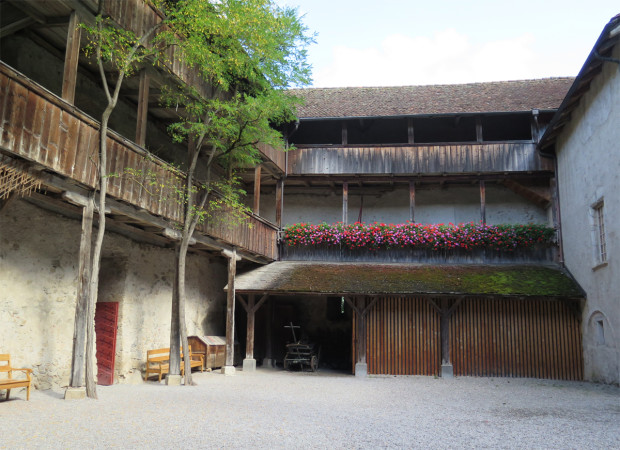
(174, 363)
(182, 259)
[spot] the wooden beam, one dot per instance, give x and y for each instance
(256, 209)
(483, 205)
(479, 136)
(249, 340)
(16, 26)
(444, 331)
(410, 131)
(345, 133)
(242, 301)
(412, 201)
(361, 331)
(230, 309)
(345, 202)
(84, 270)
(143, 108)
(72, 54)
(279, 201)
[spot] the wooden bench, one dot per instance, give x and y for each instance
(158, 362)
(10, 382)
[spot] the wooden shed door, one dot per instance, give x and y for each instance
(106, 318)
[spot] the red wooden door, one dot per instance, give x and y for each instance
(106, 318)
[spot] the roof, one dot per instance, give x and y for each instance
(610, 36)
(502, 96)
(288, 277)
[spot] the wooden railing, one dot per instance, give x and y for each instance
(138, 16)
(273, 155)
(41, 127)
(418, 159)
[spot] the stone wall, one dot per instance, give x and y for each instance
(588, 173)
(38, 285)
(454, 204)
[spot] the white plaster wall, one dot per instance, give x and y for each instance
(38, 284)
(589, 170)
(456, 204)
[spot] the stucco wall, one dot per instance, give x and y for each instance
(589, 171)
(38, 284)
(454, 204)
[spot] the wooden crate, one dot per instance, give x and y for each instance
(212, 347)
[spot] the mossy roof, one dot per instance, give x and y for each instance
(371, 279)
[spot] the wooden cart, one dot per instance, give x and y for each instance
(299, 354)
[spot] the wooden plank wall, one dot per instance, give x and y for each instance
(40, 127)
(516, 338)
(402, 337)
(415, 159)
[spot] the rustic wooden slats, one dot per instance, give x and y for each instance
(402, 336)
(489, 337)
(407, 159)
(42, 128)
(516, 338)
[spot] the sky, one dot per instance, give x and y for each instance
(400, 42)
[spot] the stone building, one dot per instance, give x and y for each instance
(584, 136)
(429, 154)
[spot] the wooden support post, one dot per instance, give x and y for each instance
(412, 201)
(446, 312)
(410, 130)
(256, 209)
(483, 203)
(69, 77)
(345, 133)
(143, 108)
(345, 202)
(249, 341)
(445, 332)
(361, 307)
(268, 360)
(79, 327)
(479, 136)
(279, 201)
(229, 369)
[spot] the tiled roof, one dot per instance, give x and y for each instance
(502, 96)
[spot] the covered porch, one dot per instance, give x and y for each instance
(420, 319)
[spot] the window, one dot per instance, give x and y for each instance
(599, 230)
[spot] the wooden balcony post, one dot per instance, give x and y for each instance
(279, 201)
(412, 201)
(79, 327)
(256, 208)
(483, 205)
(72, 53)
(345, 202)
(229, 368)
(249, 340)
(143, 108)
(410, 132)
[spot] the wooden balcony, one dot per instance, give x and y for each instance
(457, 159)
(40, 127)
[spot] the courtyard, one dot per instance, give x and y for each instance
(277, 409)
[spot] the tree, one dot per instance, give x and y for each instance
(123, 52)
(249, 52)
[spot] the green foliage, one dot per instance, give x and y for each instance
(115, 45)
(236, 43)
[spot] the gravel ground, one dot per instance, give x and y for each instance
(273, 409)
